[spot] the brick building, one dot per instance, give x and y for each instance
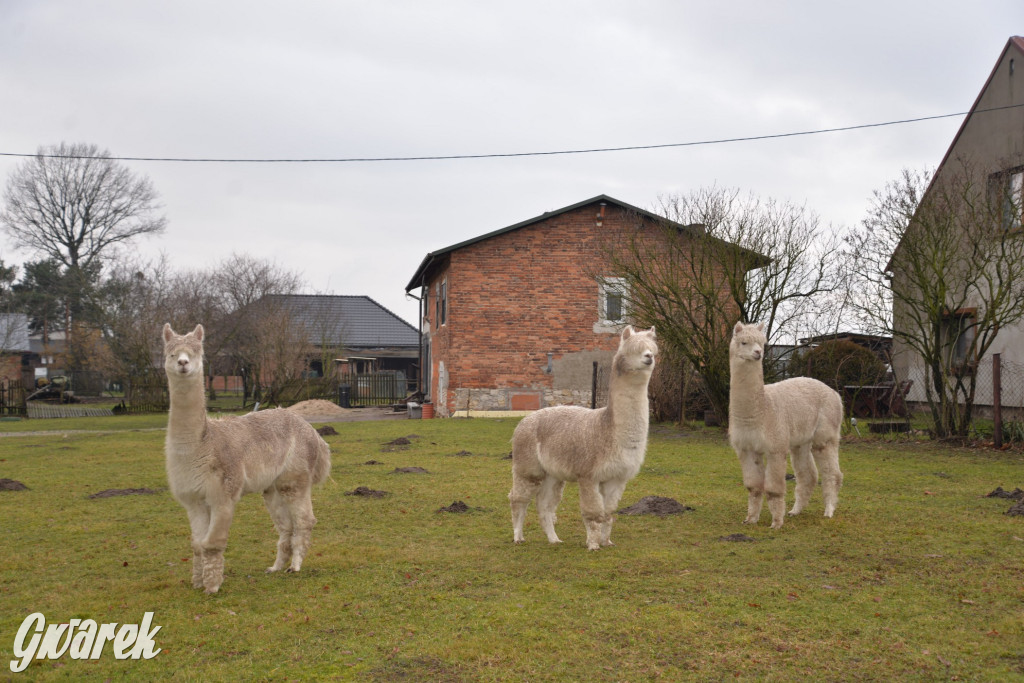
(514, 319)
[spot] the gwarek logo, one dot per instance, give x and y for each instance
(82, 639)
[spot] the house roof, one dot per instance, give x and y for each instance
(434, 258)
(353, 321)
(1015, 43)
(14, 332)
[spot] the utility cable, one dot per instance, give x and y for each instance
(449, 157)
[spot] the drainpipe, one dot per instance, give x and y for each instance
(419, 327)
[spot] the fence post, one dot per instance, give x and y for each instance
(593, 387)
(997, 401)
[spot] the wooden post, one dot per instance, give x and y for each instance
(997, 401)
(593, 387)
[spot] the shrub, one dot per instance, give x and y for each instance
(838, 363)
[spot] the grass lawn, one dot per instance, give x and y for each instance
(919, 576)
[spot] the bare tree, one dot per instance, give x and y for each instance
(137, 299)
(740, 258)
(247, 332)
(74, 204)
(939, 263)
(256, 329)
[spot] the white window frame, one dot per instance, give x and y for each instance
(618, 287)
(1011, 196)
(441, 302)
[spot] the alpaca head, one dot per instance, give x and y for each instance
(183, 354)
(637, 350)
(748, 342)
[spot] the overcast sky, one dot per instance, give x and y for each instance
(337, 79)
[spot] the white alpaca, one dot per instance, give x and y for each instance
(601, 449)
(212, 463)
(801, 416)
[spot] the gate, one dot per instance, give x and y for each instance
(375, 388)
(12, 398)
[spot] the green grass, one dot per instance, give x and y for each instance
(919, 576)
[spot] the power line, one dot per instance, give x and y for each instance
(594, 150)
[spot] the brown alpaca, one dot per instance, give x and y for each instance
(212, 463)
(601, 449)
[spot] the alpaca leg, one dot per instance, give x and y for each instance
(303, 521)
(611, 493)
(806, 477)
(775, 487)
(199, 521)
(827, 457)
(523, 491)
(592, 507)
(753, 479)
(278, 510)
(214, 544)
(548, 498)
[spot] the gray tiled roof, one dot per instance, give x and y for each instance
(354, 321)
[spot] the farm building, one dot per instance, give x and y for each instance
(516, 319)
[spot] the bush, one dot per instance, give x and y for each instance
(838, 363)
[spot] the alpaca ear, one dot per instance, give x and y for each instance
(738, 328)
(198, 333)
(627, 332)
(168, 332)
(651, 331)
(760, 327)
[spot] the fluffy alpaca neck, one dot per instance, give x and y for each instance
(627, 399)
(746, 391)
(186, 420)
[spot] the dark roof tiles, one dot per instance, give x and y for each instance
(354, 321)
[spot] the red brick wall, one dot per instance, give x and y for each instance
(10, 366)
(516, 297)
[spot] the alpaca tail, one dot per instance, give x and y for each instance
(322, 466)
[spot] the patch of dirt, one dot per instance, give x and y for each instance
(318, 408)
(656, 505)
(456, 506)
(410, 470)
(113, 493)
(1016, 494)
(367, 492)
(462, 454)
(1017, 510)
(373, 462)
(737, 538)
(327, 430)
(507, 457)
(12, 485)
(402, 443)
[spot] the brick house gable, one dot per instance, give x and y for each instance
(511, 319)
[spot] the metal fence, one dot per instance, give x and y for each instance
(146, 394)
(366, 389)
(12, 398)
(375, 388)
(1011, 387)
